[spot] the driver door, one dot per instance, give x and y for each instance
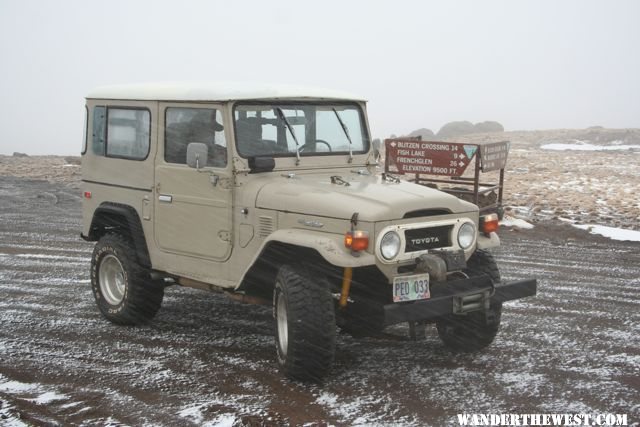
(193, 215)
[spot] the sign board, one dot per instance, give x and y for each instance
(493, 156)
(426, 157)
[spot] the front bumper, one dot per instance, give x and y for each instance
(459, 296)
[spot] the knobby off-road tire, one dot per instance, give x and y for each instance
(124, 292)
(473, 331)
(305, 323)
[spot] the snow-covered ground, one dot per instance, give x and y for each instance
(205, 360)
(578, 145)
(611, 232)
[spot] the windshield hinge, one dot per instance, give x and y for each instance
(387, 177)
(338, 180)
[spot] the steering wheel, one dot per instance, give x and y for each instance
(321, 141)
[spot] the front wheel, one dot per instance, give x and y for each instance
(470, 332)
(122, 288)
(473, 331)
(305, 324)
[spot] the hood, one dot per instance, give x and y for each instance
(372, 198)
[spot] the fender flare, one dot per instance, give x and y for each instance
(484, 242)
(329, 246)
(121, 216)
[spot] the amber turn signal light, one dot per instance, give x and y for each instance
(356, 240)
(489, 223)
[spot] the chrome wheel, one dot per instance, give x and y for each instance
(283, 326)
(112, 283)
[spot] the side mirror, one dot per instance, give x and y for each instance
(197, 155)
(261, 164)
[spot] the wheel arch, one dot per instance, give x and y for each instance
(259, 279)
(318, 250)
(110, 216)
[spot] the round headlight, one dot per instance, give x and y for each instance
(466, 235)
(390, 245)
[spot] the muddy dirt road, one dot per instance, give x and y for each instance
(575, 348)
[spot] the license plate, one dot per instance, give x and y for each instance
(411, 288)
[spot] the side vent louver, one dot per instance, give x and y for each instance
(265, 226)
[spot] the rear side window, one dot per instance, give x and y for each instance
(85, 130)
(98, 134)
(128, 133)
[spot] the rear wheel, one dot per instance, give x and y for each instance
(473, 331)
(305, 324)
(122, 288)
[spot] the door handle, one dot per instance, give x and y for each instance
(165, 198)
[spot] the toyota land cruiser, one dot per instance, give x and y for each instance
(273, 195)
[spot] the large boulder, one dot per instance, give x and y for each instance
(424, 133)
(454, 129)
(488, 127)
(16, 154)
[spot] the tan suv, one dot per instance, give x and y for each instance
(272, 195)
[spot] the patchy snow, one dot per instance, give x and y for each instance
(48, 397)
(205, 360)
(585, 146)
(9, 417)
(192, 413)
(358, 411)
(54, 257)
(14, 387)
(195, 415)
(509, 221)
(224, 420)
(611, 232)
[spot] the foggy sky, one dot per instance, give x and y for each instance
(526, 64)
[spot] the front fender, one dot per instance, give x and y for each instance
(329, 246)
(484, 242)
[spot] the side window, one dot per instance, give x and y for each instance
(128, 133)
(186, 125)
(85, 129)
(99, 119)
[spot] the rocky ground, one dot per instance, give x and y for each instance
(59, 169)
(205, 360)
(594, 180)
(586, 186)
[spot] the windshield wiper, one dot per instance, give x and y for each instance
(293, 134)
(346, 132)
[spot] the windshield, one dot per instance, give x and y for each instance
(272, 129)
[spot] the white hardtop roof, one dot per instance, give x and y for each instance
(214, 91)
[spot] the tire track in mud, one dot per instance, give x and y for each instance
(204, 359)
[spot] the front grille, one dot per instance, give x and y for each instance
(421, 239)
